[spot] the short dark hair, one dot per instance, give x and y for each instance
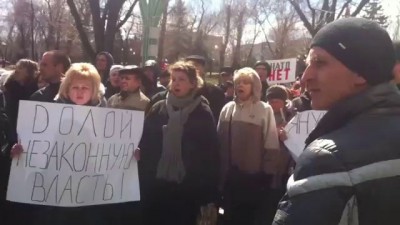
(227, 69)
(229, 83)
(59, 57)
(165, 73)
(265, 64)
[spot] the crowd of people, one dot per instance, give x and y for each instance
(221, 146)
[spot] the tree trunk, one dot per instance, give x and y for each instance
(32, 32)
(98, 24)
(162, 33)
(226, 37)
(82, 34)
(240, 27)
(111, 28)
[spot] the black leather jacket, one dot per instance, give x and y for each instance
(349, 172)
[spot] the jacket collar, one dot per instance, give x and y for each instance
(384, 95)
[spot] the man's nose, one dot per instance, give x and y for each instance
(308, 74)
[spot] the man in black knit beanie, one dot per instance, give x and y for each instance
(349, 172)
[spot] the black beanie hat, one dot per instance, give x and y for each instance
(361, 45)
(265, 64)
(396, 45)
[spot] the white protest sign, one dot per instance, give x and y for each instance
(298, 130)
(75, 155)
(282, 71)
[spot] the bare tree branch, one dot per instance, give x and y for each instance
(303, 18)
(127, 15)
(359, 7)
(228, 12)
(203, 11)
(312, 12)
(79, 26)
(162, 33)
(345, 5)
(324, 10)
(331, 16)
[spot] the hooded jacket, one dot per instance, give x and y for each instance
(251, 128)
(349, 172)
(106, 73)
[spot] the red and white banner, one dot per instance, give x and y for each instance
(282, 71)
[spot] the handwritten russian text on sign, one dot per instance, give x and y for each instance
(75, 155)
(298, 130)
(282, 71)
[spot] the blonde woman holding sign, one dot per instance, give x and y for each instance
(81, 86)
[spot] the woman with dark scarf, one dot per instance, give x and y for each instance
(104, 61)
(179, 163)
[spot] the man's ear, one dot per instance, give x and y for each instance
(396, 73)
(60, 68)
(359, 80)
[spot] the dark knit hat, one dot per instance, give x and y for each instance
(361, 45)
(265, 64)
(277, 92)
(396, 45)
(196, 58)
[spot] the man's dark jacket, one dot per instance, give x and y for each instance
(349, 172)
(46, 94)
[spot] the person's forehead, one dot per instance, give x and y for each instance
(316, 53)
(81, 80)
(47, 58)
(260, 67)
(177, 73)
(128, 75)
(244, 77)
(101, 57)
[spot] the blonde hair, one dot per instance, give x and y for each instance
(244, 72)
(85, 71)
(255, 80)
(190, 70)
